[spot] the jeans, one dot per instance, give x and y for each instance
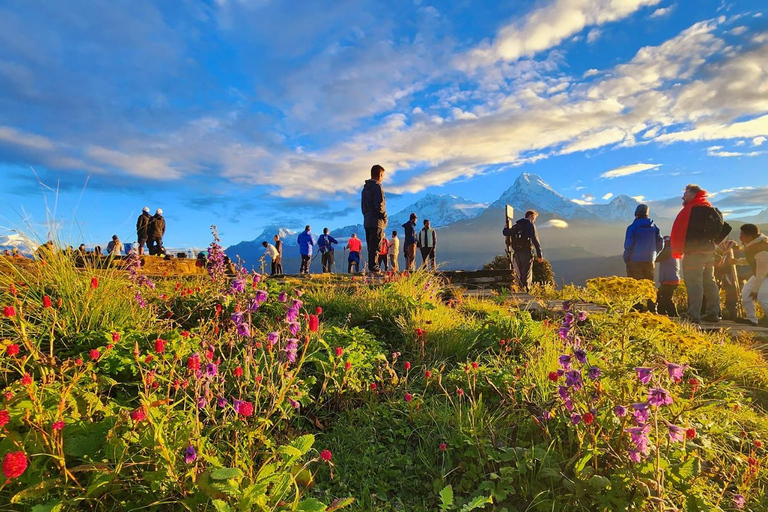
(305, 260)
(383, 262)
(373, 238)
(699, 276)
(393, 262)
(155, 246)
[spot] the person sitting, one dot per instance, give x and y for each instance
(115, 246)
(756, 289)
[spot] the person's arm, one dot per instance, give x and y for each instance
(629, 243)
(434, 238)
(381, 202)
(761, 271)
(535, 240)
(659, 241)
(333, 240)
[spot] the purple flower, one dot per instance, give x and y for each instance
(296, 304)
(211, 369)
(658, 397)
(272, 338)
(201, 402)
(291, 349)
(237, 317)
(676, 434)
(675, 372)
(644, 374)
(575, 418)
(582, 316)
(256, 278)
(640, 439)
(291, 315)
(237, 286)
(573, 379)
(635, 456)
(640, 413)
(594, 373)
(568, 403)
(298, 293)
(563, 333)
(739, 501)
(294, 327)
(563, 392)
(236, 405)
(190, 455)
(565, 361)
(140, 300)
(294, 403)
(243, 330)
(581, 355)
(261, 295)
(620, 411)
(222, 402)
(282, 297)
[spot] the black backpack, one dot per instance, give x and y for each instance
(715, 228)
(521, 239)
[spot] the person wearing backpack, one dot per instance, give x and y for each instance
(525, 239)
(696, 230)
(642, 243)
(325, 244)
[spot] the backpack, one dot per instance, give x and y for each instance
(521, 239)
(715, 229)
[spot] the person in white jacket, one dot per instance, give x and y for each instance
(756, 289)
(393, 251)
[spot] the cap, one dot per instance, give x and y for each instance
(642, 210)
(160, 211)
(145, 209)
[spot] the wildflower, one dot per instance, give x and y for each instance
(159, 345)
(443, 447)
(26, 379)
(644, 374)
(575, 418)
(211, 369)
(640, 438)
(326, 455)
(475, 366)
(190, 455)
(79, 361)
(658, 397)
(635, 456)
(568, 403)
(258, 379)
(94, 354)
(294, 328)
(291, 349)
(563, 332)
(553, 376)
(282, 297)
(594, 373)
(758, 444)
(243, 330)
(565, 361)
(47, 301)
(291, 315)
(427, 374)
(459, 391)
(14, 464)
(694, 384)
(237, 286)
(573, 379)
(563, 392)
(296, 304)
(620, 411)
(314, 323)
(582, 316)
(581, 355)
(318, 310)
(237, 317)
(245, 409)
(588, 418)
(9, 311)
(238, 372)
(5, 417)
(347, 365)
(109, 346)
(690, 434)
(407, 365)
(408, 397)
(294, 403)
(149, 358)
(193, 363)
(139, 415)
(94, 282)
(184, 334)
(738, 499)
(202, 402)
(339, 351)
(57, 425)
(12, 350)
(272, 338)
(640, 413)
(373, 386)
(13, 290)
(676, 434)
(675, 372)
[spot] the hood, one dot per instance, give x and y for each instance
(371, 183)
(760, 238)
(642, 221)
(523, 221)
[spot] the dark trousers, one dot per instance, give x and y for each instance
(522, 262)
(373, 238)
(327, 260)
(642, 270)
(353, 262)
(155, 246)
(664, 302)
(409, 251)
(428, 257)
(305, 260)
(277, 265)
(383, 262)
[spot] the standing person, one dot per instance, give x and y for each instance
(383, 253)
(394, 251)
(726, 276)
(325, 243)
(669, 280)
(427, 242)
(142, 228)
(374, 207)
(306, 241)
(409, 242)
(642, 243)
(525, 239)
(270, 252)
(756, 289)
(355, 246)
(115, 246)
(693, 240)
(155, 233)
(278, 263)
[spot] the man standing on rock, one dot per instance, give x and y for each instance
(325, 243)
(155, 232)
(409, 242)
(306, 242)
(142, 228)
(525, 239)
(374, 207)
(427, 241)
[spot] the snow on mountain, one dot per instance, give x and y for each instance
(22, 243)
(440, 209)
(620, 209)
(268, 235)
(530, 192)
(760, 218)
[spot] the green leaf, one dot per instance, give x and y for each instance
(290, 454)
(53, 506)
(599, 483)
(340, 503)
(446, 498)
(478, 502)
(690, 468)
(34, 491)
(221, 506)
(226, 473)
(303, 443)
(311, 505)
(582, 463)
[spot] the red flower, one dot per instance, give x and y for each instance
(407, 365)
(373, 386)
(149, 358)
(218, 309)
(193, 363)
(245, 409)
(553, 376)
(159, 345)
(239, 372)
(184, 334)
(115, 337)
(94, 354)
(139, 415)
(14, 464)
(459, 391)
(588, 418)
(46, 301)
(419, 333)
(4, 417)
(339, 351)
(209, 354)
(26, 379)
(475, 365)
(314, 323)
(758, 444)
(690, 433)
(94, 282)
(57, 425)
(259, 378)
(79, 361)
(694, 383)
(13, 289)
(427, 374)
(443, 447)
(12, 349)
(9, 311)
(408, 397)
(319, 310)
(347, 365)
(326, 455)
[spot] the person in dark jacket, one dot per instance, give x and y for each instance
(325, 244)
(669, 280)
(306, 241)
(374, 207)
(691, 242)
(155, 233)
(525, 240)
(427, 241)
(142, 228)
(642, 243)
(409, 242)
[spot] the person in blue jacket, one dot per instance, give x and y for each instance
(642, 243)
(306, 241)
(325, 243)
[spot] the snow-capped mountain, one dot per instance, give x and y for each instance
(268, 235)
(440, 209)
(760, 218)
(22, 243)
(530, 192)
(620, 209)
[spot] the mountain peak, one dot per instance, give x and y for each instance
(531, 192)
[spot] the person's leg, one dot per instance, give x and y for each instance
(324, 262)
(693, 274)
(517, 265)
(279, 265)
(433, 258)
(373, 240)
(711, 290)
(424, 256)
(272, 268)
(731, 298)
(331, 260)
(762, 298)
(410, 256)
(750, 311)
(662, 299)
(648, 272)
(159, 245)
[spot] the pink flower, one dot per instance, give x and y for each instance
(326, 455)
(12, 349)
(94, 354)
(245, 409)
(408, 397)
(115, 337)
(443, 447)
(57, 425)
(14, 464)
(139, 415)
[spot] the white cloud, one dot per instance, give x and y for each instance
(24, 139)
(758, 141)
(590, 72)
(555, 223)
(629, 169)
(595, 140)
(608, 196)
(594, 35)
(662, 11)
(639, 199)
(716, 151)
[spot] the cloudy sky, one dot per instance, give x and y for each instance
(246, 113)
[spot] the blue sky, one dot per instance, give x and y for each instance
(246, 113)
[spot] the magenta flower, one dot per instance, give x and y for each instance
(582, 316)
(237, 317)
(640, 413)
(272, 338)
(676, 434)
(190, 455)
(294, 327)
(594, 373)
(620, 411)
(640, 438)
(291, 349)
(575, 418)
(282, 297)
(675, 372)
(644, 374)
(237, 286)
(211, 369)
(563, 333)
(658, 397)
(243, 329)
(635, 456)
(291, 315)
(739, 501)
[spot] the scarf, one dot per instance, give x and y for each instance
(680, 227)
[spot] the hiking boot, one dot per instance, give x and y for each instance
(742, 320)
(685, 317)
(711, 318)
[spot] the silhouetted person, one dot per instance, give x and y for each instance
(427, 242)
(642, 243)
(279, 261)
(374, 207)
(156, 232)
(306, 242)
(409, 242)
(142, 228)
(525, 240)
